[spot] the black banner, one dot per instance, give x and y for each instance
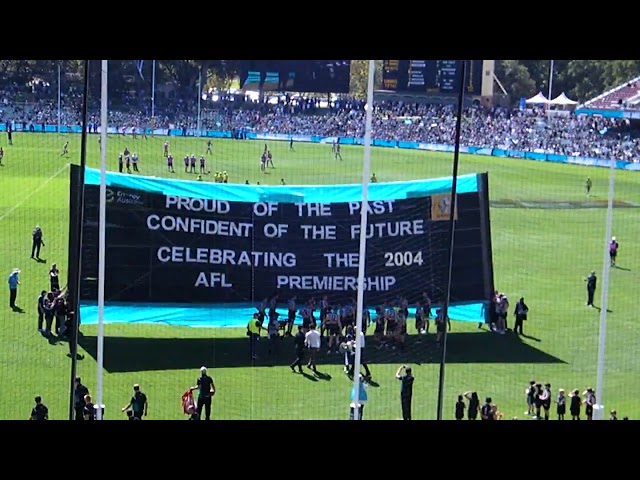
(189, 250)
(310, 76)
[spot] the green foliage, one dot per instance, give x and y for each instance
(579, 79)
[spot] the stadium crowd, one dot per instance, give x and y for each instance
(527, 130)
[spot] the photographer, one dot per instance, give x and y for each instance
(406, 390)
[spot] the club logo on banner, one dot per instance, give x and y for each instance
(441, 208)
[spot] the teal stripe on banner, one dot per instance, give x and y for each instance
(283, 193)
(222, 315)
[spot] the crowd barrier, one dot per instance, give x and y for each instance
(433, 147)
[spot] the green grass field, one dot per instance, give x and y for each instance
(542, 254)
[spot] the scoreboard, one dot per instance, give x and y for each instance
(431, 76)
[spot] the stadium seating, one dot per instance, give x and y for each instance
(616, 98)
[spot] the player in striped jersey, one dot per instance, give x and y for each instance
(307, 320)
(378, 331)
(366, 319)
(419, 321)
(392, 327)
(348, 314)
(262, 310)
(324, 308)
(401, 329)
(333, 327)
(291, 314)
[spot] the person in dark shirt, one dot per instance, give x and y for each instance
(60, 313)
(206, 390)
(487, 411)
(460, 407)
(41, 299)
(474, 405)
(54, 277)
(520, 314)
(406, 390)
(592, 282)
(79, 395)
(138, 405)
(48, 305)
(88, 411)
(40, 410)
(37, 242)
(298, 341)
(575, 405)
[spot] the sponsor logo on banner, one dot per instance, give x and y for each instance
(441, 208)
(124, 198)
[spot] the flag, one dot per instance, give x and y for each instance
(188, 403)
(139, 64)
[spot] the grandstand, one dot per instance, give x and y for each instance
(622, 97)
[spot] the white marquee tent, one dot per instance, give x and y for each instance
(539, 99)
(562, 100)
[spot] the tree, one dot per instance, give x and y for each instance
(515, 78)
(359, 76)
(585, 79)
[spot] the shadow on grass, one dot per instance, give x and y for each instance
(130, 354)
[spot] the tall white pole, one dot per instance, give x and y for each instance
(366, 166)
(59, 100)
(199, 97)
(102, 236)
(604, 304)
(153, 89)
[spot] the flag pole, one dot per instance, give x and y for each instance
(153, 89)
(59, 99)
(102, 236)
(199, 97)
(77, 266)
(366, 165)
(452, 232)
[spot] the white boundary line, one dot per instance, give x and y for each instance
(40, 187)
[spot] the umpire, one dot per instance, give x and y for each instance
(592, 282)
(298, 341)
(406, 390)
(37, 242)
